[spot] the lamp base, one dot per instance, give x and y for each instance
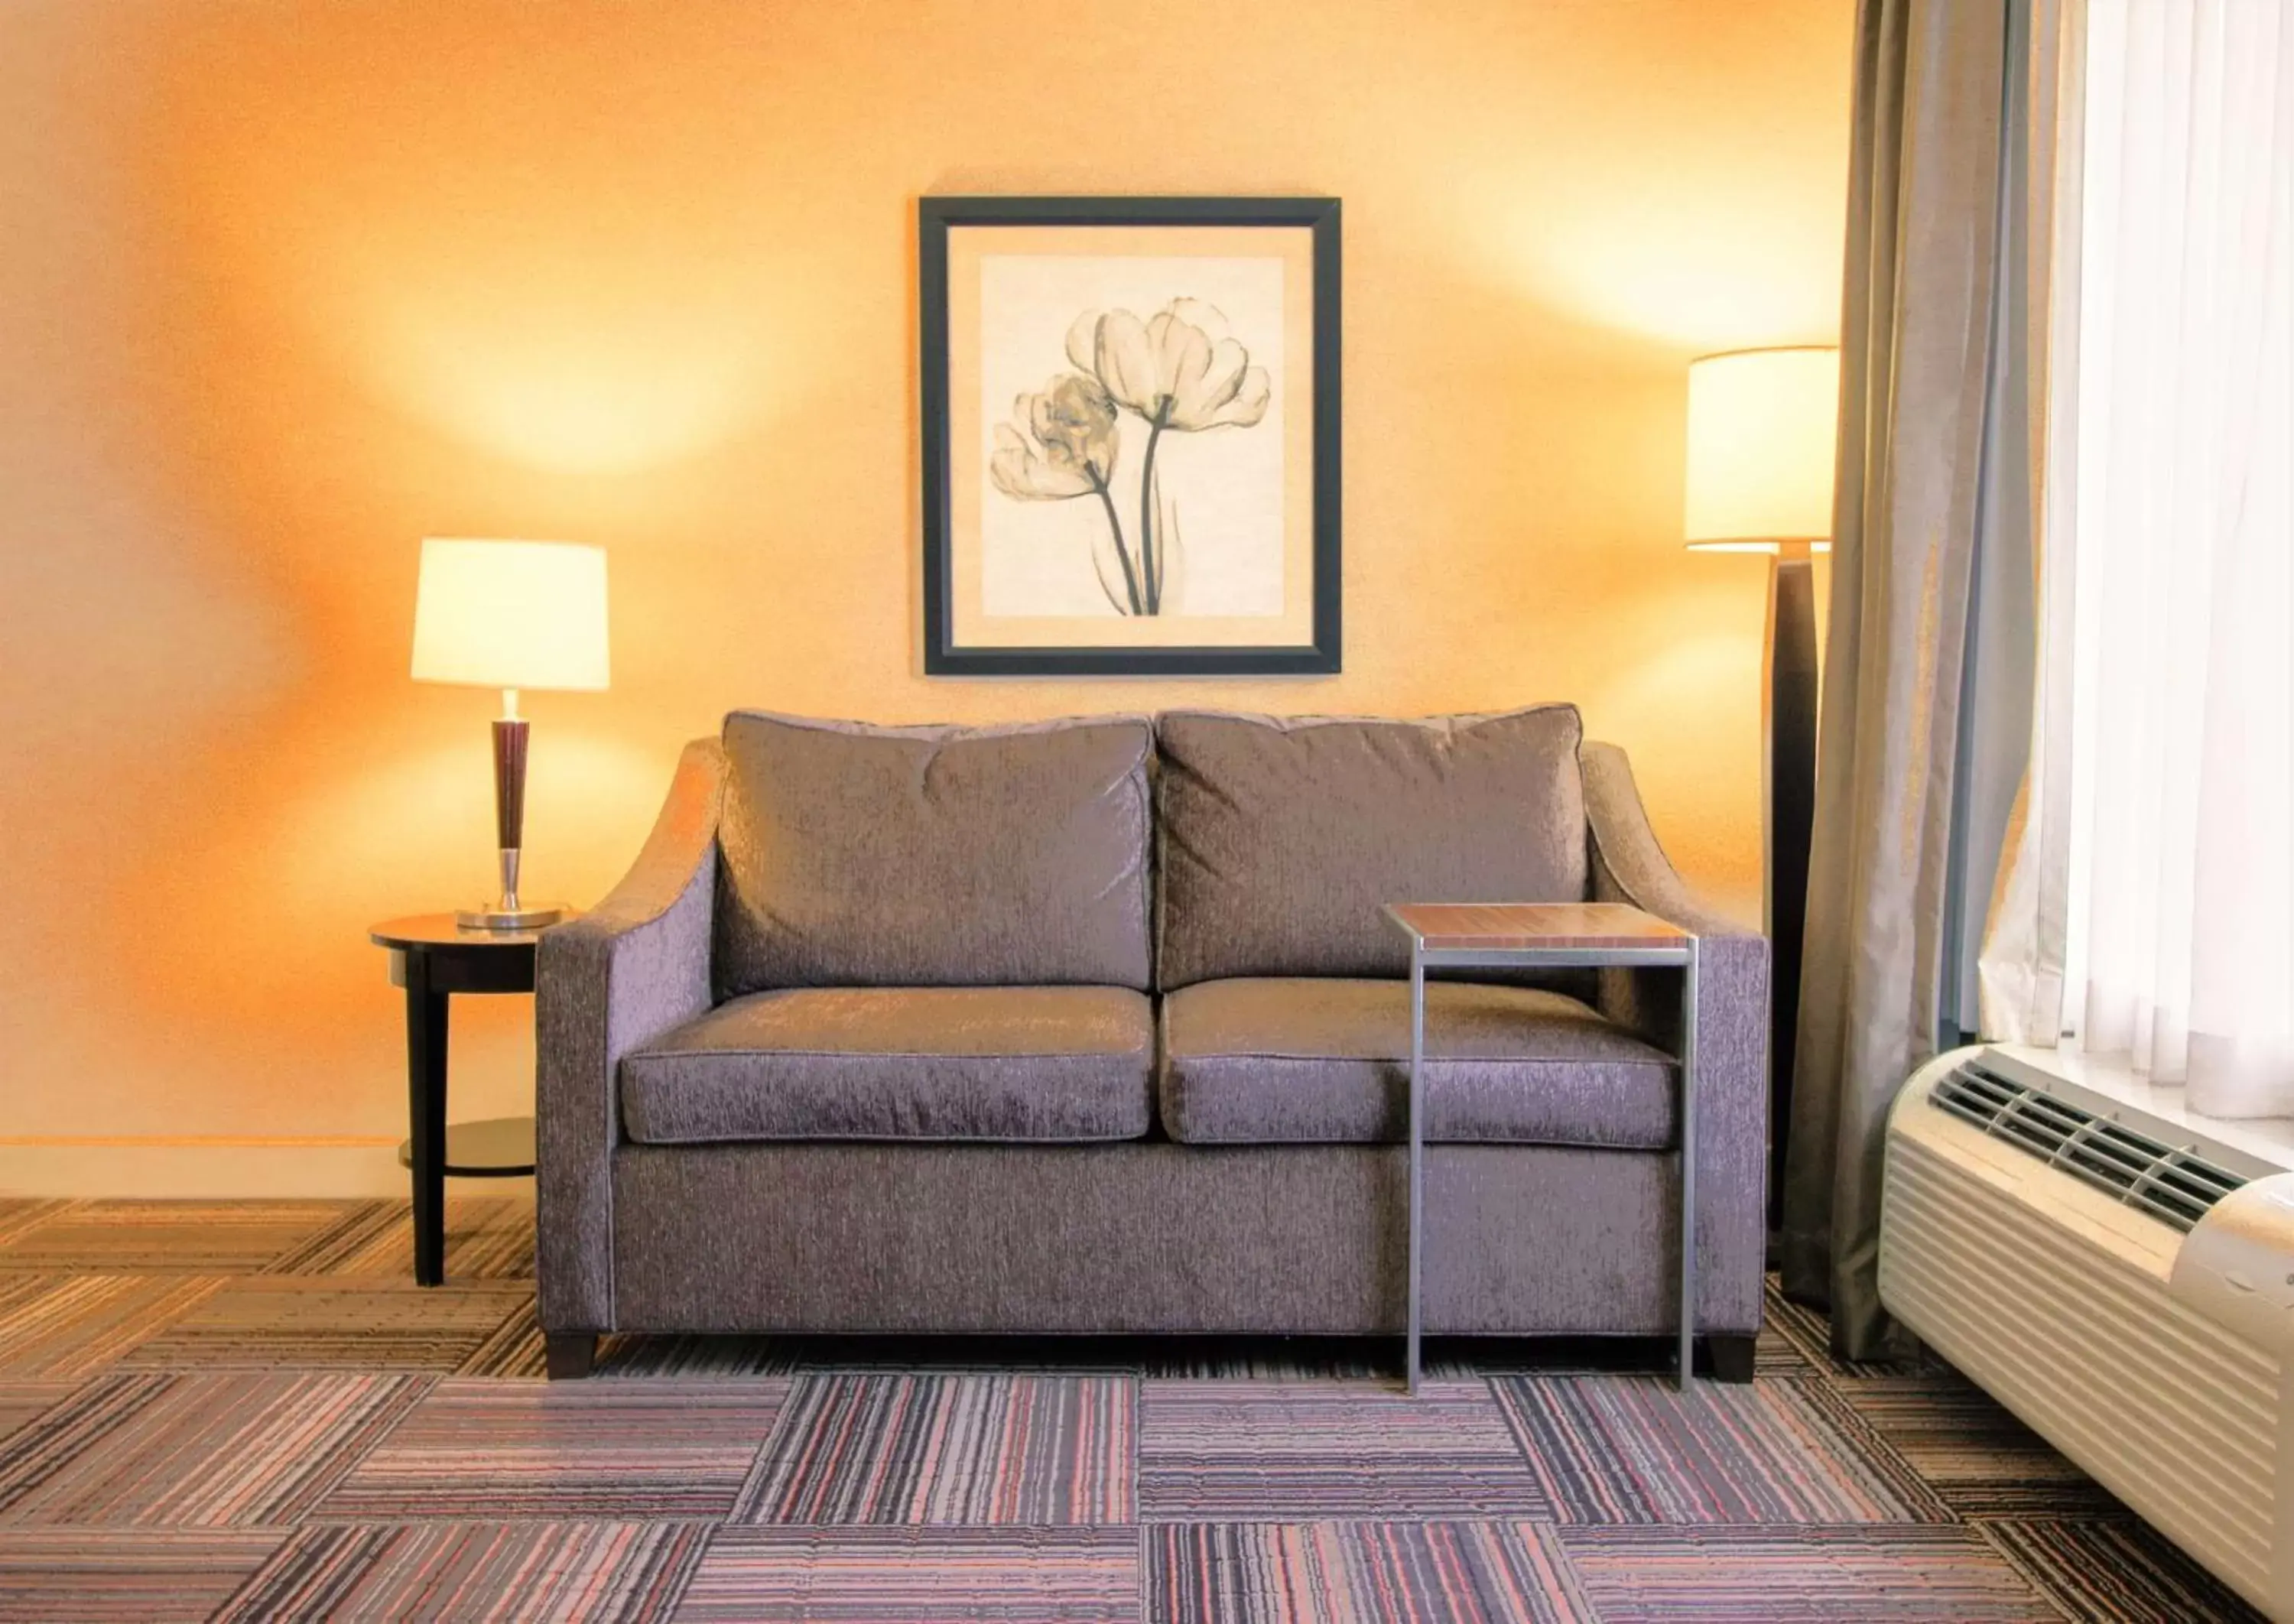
(508, 912)
(531, 918)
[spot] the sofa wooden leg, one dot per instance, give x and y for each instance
(1732, 1357)
(568, 1355)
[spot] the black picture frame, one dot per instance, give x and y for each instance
(942, 657)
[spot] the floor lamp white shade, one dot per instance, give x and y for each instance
(1762, 425)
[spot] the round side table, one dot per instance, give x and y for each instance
(432, 958)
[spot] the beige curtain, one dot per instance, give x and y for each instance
(1919, 331)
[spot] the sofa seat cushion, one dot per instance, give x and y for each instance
(1007, 1064)
(1282, 1060)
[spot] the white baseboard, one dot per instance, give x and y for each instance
(217, 1169)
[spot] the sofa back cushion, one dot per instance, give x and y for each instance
(1281, 838)
(858, 856)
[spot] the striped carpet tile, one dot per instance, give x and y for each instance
(78, 1324)
(1776, 1354)
(362, 1230)
(947, 1449)
(1978, 1458)
(620, 1572)
(1260, 1451)
(1339, 1572)
(970, 1353)
(20, 1213)
(488, 1238)
(695, 1356)
(288, 1321)
(152, 1575)
(1868, 1445)
(24, 1402)
(1904, 1573)
(1467, 1360)
(1638, 1450)
(2117, 1569)
(565, 1450)
(516, 1351)
(201, 1450)
(872, 1575)
(1449, 1358)
(1809, 1335)
(163, 1237)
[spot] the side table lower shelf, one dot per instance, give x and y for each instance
(497, 1148)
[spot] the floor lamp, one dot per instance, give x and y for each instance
(1761, 427)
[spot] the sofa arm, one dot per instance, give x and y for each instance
(628, 970)
(1732, 1036)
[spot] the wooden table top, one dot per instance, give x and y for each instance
(1496, 927)
(440, 930)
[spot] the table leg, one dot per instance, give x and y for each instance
(426, 1088)
(1688, 1167)
(1417, 1152)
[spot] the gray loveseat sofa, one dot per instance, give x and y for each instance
(1094, 1027)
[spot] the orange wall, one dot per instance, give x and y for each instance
(287, 287)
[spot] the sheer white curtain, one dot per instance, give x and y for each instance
(2020, 967)
(2175, 536)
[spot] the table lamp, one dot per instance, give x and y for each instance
(1762, 427)
(510, 615)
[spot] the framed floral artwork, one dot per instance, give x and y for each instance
(1130, 435)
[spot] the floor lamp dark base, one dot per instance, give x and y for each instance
(1789, 794)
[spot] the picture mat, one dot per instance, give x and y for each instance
(980, 395)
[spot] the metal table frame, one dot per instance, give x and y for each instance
(1423, 959)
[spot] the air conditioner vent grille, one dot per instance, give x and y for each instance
(2172, 1183)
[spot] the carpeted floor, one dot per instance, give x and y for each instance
(246, 1410)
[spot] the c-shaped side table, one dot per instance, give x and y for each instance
(1546, 936)
(431, 957)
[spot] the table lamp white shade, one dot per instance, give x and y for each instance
(511, 614)
(1761, 427)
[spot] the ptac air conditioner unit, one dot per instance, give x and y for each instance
(2122, 1282)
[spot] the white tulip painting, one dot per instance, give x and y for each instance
(1130, 445)
(1178, 371)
